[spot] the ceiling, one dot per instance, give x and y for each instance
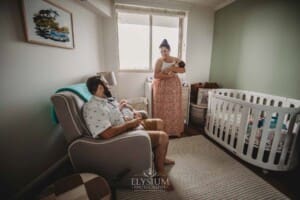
(216, 4)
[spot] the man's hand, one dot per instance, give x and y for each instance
(126, 118)
(117, 130)
(133, 123)
(122, 105)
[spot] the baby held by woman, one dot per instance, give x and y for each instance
(180, 64)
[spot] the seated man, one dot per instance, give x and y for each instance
(104, 119)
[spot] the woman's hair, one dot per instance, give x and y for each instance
(165, 44)
(92, 84)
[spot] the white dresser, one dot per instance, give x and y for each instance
(185, 100)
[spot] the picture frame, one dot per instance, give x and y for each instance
(46, 23)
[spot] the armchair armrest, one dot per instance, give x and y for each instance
(129, 151)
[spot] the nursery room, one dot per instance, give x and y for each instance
(149, 99)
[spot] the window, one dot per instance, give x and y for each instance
(134, 41)
(140, 34)
(164, 27)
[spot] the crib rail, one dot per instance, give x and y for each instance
(259, 128)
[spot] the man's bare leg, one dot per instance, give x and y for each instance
(160, 140)
(160, 127)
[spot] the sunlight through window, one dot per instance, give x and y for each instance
(140, 35)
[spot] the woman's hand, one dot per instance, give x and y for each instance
(171, 74)
(167, 70)
(162, 74)
(173, 69)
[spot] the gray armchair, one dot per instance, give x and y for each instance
(129, 152)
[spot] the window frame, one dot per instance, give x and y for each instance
(150, 12)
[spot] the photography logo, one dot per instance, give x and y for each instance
(149, 181)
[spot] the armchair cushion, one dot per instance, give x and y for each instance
(68, 108)
(129, 151)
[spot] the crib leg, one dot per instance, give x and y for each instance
(264, 171)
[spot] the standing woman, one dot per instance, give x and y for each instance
(167, 102)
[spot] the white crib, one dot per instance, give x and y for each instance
(259, 128)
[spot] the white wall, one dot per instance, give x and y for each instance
(199, 44)
(29, 75)
(198, 47)
(102, 7)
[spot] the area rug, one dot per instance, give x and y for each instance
(204, 171)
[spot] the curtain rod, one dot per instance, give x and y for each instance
(149, 10)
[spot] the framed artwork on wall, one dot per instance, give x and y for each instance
(48, 24)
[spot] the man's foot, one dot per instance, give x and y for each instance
(165, 181)
(169, 162)
(168, 185)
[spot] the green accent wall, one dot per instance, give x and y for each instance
(257, 47)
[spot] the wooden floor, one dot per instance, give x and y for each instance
(287, 182)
